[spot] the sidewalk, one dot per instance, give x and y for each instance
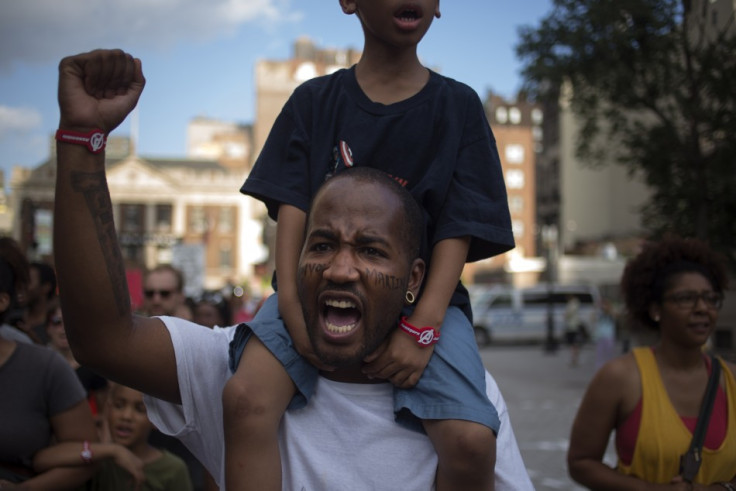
(543, 392)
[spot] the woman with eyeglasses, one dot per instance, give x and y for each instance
(651, 396)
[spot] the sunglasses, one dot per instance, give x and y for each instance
(161, 293)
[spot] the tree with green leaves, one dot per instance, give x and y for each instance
(658, 78)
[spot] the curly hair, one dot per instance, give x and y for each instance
(648, 275)
(14, 279)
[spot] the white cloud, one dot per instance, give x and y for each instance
(45, 30)
(18, 120)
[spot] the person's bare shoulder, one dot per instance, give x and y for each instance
(621, 378)
(621, 366)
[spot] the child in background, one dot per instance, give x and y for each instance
(430, 133)
(128, 462)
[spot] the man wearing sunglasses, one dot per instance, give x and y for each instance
(163, 291)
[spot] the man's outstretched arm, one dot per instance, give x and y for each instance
(97, 90)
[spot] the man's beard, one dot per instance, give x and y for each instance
(334, 355)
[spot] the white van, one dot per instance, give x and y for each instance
(508, 314)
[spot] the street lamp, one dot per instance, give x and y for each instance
(549, 237)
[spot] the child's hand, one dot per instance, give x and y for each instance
(304, 347)
(294, 320)
(399, 360)
(125, 459)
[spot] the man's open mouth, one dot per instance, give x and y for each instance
(341, 316)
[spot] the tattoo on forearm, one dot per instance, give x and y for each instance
(94, 188)
(387, 281)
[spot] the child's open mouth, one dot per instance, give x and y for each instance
(408, 17)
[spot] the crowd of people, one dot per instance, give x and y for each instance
(66, 426)
(56, 409)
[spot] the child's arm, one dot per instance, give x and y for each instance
(401, 360)
(289, 240)
(69, 454)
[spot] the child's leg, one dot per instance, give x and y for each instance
(254, 400)
(466, 452)
(453, 406)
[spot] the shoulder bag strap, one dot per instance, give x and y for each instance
(690, 461)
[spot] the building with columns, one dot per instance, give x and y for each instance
(183, 211)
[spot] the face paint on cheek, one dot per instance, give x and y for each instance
(310, 269)
(388, 282)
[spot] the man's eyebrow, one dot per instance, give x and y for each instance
(367, 239)
(361, 240)
(321, 233)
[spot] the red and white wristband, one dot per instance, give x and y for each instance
(425, 336)
(94, 140)
(86, 453)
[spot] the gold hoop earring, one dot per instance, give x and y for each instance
(409, 297)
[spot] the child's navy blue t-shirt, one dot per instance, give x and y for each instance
(438, 144)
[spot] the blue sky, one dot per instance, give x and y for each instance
(198, 57)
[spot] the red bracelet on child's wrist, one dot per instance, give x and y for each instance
(86, 453)
(425, 336)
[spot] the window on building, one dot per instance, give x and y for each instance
(514, 153)
(537, 133)
(537, 116)
(517, 226)
(305, 71)
(225, 221)
(502, 115)
(197, 220)
(235, 150)
(226, 256)
(516, 205)
(515, 115)
(164, 213)
(132, 218)
(515, 179)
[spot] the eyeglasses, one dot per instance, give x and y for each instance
(162, 293)
(688, 300)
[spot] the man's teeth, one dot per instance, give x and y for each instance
(340, 304)
(340, 329)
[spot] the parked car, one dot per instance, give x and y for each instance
(508, 314)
